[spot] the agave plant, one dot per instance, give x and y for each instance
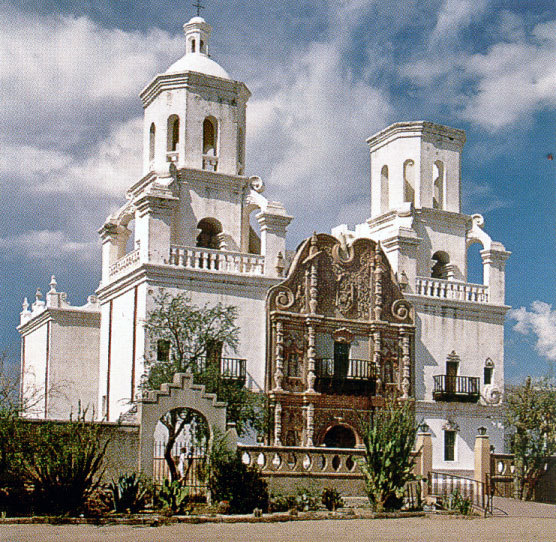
(129, 493)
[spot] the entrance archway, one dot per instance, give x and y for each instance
(340, 436)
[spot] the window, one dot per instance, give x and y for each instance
(488, 376)
(449, 445)
(209, 136)
(409, 181)
(438, 176)
(173, 133)
(292, 365)
(193, 45)
(152, 135)
(163, 350)
(384, 190)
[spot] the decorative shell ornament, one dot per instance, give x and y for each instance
(492, 394)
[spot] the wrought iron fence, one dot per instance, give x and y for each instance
(193, 466)
(456, 385)
(441, 484)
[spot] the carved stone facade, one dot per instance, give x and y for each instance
(340, 337)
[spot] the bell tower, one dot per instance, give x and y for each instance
(194, 112)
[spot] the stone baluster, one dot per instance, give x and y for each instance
(278, 424)
(310, 429)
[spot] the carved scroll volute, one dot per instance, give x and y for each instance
(279, 372)
(406, 363)
(284, 298)
(378, 274)
(402, 310)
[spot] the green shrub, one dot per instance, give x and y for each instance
(172, 497)
(304, 499)
(242, 486)
(331, 498)
(457, 502)
(129, 493)
(64, 464)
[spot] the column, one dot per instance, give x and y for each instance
(279, 371)
(273, 222)
(406, 362)
(494, 264)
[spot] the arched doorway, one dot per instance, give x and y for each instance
(181, 439)
(340, 436)
(209, 233)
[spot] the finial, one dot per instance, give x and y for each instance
(38, 295)
(25, 305)
(199, 7)
(53, 285)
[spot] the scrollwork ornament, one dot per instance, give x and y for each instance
(284, 298)
(338, 253)
(401, 309)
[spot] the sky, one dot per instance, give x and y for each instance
(324, 75)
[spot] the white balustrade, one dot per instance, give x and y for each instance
(126, 262)
(221, 261)
(450, 289)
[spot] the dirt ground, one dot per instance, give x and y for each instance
(429, 529)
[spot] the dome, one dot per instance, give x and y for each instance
(196, 62)
(196, 20)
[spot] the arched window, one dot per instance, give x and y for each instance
(384, 190)
(152, 135)
(173, 132)
(210, 128)
(193, 46)
(440, 268)
(202, 47)
(240, 151)
(439, 185)
(409, 181)
(208, 237)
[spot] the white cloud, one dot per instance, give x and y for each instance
(541, 322)
(46, 246)
(454, 15)
(318, 119)
(57, 71)
(108, 168)
(499, 88)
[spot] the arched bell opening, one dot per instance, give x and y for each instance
(210, 230)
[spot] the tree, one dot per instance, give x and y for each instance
(189, 338)
(531, 420)
(388, 463)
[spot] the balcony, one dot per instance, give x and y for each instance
(463, 389)
(231, 369)
(451, 289)
(221, 261)
(357, 377)
(126, 263)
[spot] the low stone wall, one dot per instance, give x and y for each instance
(289, 468)
(122, 452)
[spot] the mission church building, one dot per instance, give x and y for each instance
(356, 316)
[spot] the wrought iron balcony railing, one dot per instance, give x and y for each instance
(456, 388)
(352, 377)
(230, 368)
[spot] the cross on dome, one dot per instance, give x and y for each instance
(199, 7)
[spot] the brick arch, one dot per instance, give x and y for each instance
(181, 393)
